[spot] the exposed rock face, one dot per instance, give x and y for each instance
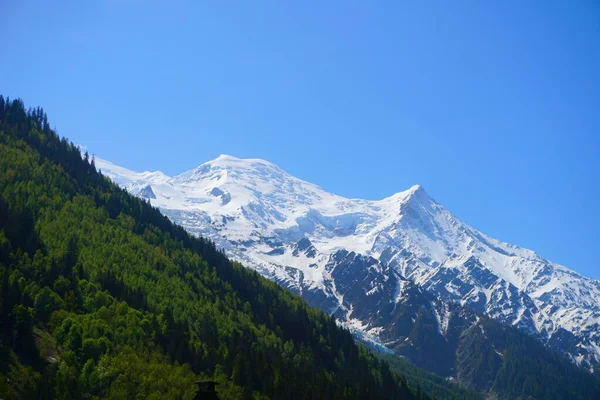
(145, 192)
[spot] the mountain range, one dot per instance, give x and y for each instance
(382, 268)
(104, 297)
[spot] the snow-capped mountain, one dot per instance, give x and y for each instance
(367, 261)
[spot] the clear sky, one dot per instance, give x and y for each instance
(494, 107)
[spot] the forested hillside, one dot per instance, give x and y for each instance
(103, 297)
(481, 354)
(500, 362)
(430, 383)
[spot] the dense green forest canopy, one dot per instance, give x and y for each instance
(430, 383)
(103, 297)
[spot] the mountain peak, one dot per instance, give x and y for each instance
(416, 189)
(226, 165)
(418, 193)
(227, 157)
(414, 193)
(226, 160)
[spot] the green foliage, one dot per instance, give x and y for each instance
(433, 385)
(517, 366)
(46, 302)
(103, 297)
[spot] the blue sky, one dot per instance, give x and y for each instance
(493, 108)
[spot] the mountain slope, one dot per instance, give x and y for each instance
(261, 215)
(102, 296)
